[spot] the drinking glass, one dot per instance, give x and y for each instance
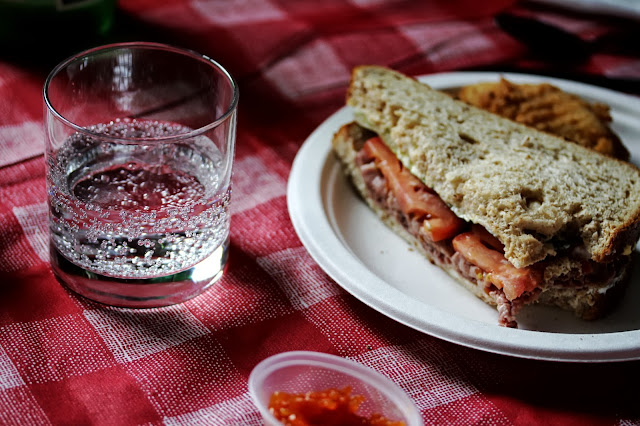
(140, 141)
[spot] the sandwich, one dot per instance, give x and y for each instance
(515, 215)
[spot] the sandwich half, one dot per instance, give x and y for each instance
(515, 215)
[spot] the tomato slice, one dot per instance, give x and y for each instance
(480, 248)
(414, 197)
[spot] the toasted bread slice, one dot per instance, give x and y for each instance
(531, 190)
(548, 108)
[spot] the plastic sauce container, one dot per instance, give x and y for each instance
(299, 372)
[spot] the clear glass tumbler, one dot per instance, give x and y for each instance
(140, 141)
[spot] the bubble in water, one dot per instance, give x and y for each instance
(109, 211)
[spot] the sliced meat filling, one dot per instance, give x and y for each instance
(470, 250)
(448, 240)
(439, 252)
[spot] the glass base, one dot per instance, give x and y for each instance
(141, 293)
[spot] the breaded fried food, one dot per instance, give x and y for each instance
(548, 108)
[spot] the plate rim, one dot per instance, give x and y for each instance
(309, 220)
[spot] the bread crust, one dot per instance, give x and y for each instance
(528, 188)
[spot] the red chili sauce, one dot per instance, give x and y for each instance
(326, 407)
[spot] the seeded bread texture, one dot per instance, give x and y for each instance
(529, 189)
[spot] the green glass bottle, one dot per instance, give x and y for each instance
(61, 25)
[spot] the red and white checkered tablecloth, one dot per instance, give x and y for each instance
(65, 360)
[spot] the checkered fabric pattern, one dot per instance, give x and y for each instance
(66, 360)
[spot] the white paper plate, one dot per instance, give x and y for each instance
(620, 8)
(369, 261)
